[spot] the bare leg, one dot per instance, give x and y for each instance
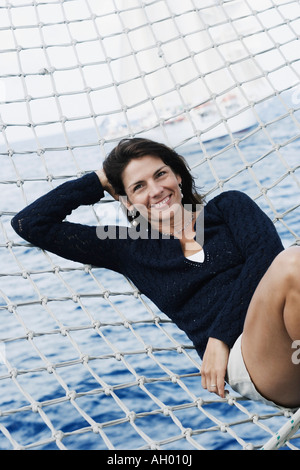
(272, 325)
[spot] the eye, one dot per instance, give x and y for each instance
(137, 187)
(161, 173)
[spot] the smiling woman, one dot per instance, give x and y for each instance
(98, 364)
(156, 186)
(130, 150)
(216, 301)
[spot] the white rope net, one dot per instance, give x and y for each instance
(86, 361)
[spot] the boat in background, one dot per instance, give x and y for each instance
(210, 120)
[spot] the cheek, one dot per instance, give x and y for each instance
(139, 205)
(137, 200)
(175, 183)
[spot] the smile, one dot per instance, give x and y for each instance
(162, 203)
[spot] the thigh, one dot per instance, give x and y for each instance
(266, 345)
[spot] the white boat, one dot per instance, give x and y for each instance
(228, 117)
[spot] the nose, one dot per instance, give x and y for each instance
(154, 190)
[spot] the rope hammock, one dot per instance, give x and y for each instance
(87, 361)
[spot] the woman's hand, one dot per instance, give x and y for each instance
(214, 366)
(105, 184)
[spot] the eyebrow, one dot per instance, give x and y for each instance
(141, 181)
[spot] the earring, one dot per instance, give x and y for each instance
(180, 187)
(132, 214)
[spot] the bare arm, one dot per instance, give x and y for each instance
(214, 366)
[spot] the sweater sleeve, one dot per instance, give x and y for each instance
(42, 224)
(258, 241)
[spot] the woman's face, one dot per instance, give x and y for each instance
(152, 188)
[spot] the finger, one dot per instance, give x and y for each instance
(213, 385)
(221, 389)
(203, 381)
(209, 383)
(204, 377)
(221, 386)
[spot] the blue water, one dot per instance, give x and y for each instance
(34, 383)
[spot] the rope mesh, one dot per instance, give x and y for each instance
(219, 81)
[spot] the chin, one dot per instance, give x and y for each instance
(166, 214)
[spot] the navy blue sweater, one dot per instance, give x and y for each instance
(208, 299)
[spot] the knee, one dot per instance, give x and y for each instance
(288, 265)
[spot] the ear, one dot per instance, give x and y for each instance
(179, 179)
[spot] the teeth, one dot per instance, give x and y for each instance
(161, 203)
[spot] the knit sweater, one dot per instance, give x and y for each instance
(208, 299)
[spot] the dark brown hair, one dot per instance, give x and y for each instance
(128, 149)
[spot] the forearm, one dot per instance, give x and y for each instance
(214, 366)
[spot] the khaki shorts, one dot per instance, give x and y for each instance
(238, 378)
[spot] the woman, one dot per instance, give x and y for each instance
(218, 270)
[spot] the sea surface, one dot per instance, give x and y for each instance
(88, 363)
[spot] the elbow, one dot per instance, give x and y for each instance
(21, 226)
(16, 224)
(30, 229)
